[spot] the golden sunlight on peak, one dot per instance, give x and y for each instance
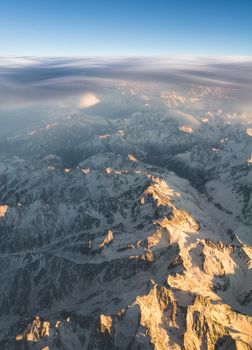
(186, 129)
(106, 324)
(132, 158)
(104, 137)
(249, 131)
(85, 171)
(3, 210)
(249, 161)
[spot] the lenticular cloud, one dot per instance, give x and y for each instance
(88, 100)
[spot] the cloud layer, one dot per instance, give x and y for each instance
(59, 81)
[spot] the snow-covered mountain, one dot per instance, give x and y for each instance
(130, 232)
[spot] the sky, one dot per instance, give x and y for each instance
(125, 27)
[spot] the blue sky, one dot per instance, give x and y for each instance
(84, 28)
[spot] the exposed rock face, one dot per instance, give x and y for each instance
(142, 241)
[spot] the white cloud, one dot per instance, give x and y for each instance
(18, 62)
(89, 99)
